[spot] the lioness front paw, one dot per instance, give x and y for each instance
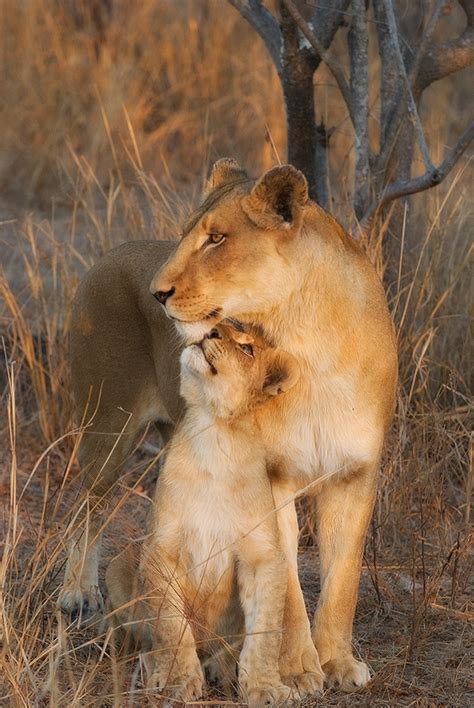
(81, 604)
(266, 695)
(305, 684)
(302, 671)
(346, 673)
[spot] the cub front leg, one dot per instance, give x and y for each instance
(262, 582)
(173, 665)
(344, 509)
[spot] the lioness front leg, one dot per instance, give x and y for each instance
(299, 662)
(262, 582)
(344, 510)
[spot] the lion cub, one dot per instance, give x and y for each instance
(214, 547)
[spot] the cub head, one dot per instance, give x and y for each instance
(237, 253)
(229, 372)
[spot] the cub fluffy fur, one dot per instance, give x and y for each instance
(215, 525)
(286, 266)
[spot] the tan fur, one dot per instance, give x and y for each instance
(286, 266)
(214, 525)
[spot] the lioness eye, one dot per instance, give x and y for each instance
(215, 239)
(247, 349)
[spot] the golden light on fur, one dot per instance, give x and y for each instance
(291, 271)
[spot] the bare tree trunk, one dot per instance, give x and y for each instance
(297, 69)
(296, 60)
(304, 47)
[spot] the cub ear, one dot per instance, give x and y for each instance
(224, 171)
(278, 198)
(282, 372)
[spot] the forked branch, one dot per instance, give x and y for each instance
(411, 104)
(430, 178)
(332, 64)
(444, 59)
(264, 23)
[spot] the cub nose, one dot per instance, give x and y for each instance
(163, 295)
(213, 334)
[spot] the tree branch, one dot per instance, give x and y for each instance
(425, 41)
(358, 54)
(389, 90)
(318, 47)
(444, 59)
(264, 23)
(412, 109)
(327, 18)
(430, 178)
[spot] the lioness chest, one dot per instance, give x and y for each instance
(319, 430)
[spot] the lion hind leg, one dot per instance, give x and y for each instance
(102, 453)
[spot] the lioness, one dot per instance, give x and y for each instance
(265, 254)
(215, 524)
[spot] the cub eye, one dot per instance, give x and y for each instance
(247, 349)
(215, 239)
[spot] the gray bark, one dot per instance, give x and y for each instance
(402, 83)
(298, 66)
(358, 54)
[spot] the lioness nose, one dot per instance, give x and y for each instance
(163, 295)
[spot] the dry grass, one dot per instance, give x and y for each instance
(107, 141)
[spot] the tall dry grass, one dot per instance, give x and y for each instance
(107, 137)
(173, 73)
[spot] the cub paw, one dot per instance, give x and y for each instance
(190, 689)
(81, 604)
(346, 673)
(184, 687)
(267, 695)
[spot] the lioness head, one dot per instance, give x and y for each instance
(236, 253)
(229, 372)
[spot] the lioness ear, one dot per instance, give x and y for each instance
(278, 198)
(282, 372)
(225, 171)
